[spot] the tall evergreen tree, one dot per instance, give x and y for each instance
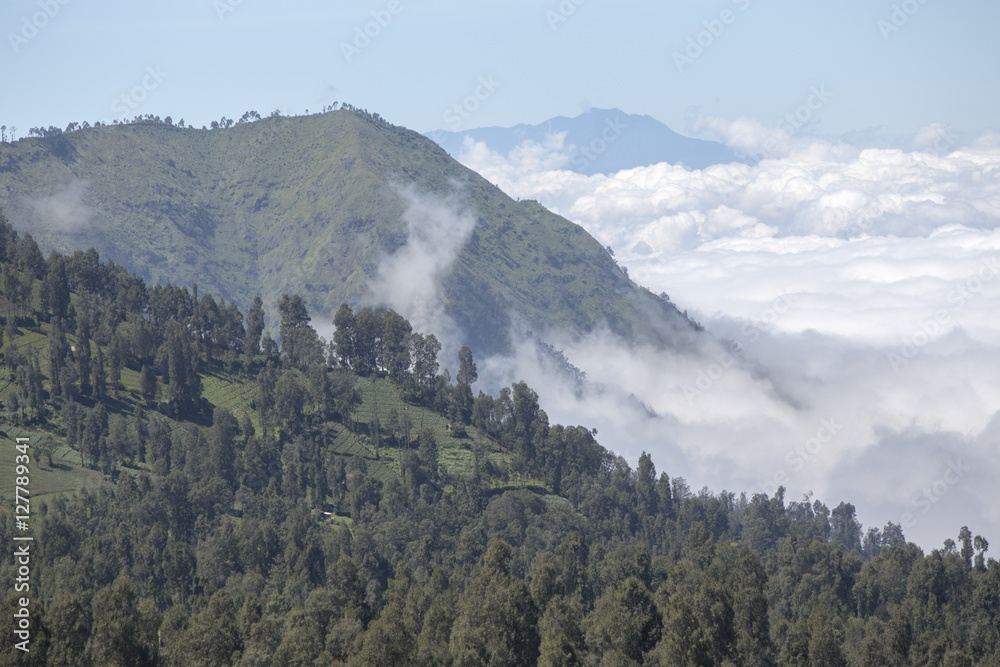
(254, 327)
(222, 446)
(345, 334)
(100, 377)
(753, 637)
(55, 286)
(82, 353)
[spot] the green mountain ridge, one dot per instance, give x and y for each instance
(314, 205)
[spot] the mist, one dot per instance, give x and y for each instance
(409, 280)
(63, 212)
(849, 298)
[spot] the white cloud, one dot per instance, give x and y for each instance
(64, 211)
(861, 286)
(409, 281)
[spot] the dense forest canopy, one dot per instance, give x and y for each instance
(247, 501)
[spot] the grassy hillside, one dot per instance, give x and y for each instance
(312, 205)
(379, 398)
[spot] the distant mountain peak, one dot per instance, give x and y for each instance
(598, 141)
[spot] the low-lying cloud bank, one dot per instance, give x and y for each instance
(854, 293)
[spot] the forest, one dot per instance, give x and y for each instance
(247, 499)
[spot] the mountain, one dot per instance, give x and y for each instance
(338, 207)
(603, 141)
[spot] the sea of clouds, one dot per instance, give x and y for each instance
(854, 293)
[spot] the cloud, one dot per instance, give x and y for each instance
(745, 135)
(846, 286)
(409, 280)
(64, 211)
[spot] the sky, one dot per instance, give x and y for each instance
(849, 275)
(891, 68)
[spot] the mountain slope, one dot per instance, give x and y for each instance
(603, 141)
(318, 205)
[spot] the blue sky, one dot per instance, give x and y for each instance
(70, 60)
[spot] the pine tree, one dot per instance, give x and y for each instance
(55, 286)
(222, 447)
(100, 377)
(254, 327)
(116, 351)
(753, 638)
(147, 384)
(82, 352)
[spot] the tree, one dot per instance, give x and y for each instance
(100, 377)
(425, 363)
(496, 623)
(147, 384)
(222, 447)
(116, 352)
(368, 342)
(466, 367)
(844, 528)
(213, 635)
(82, 353)
(645, 485)
(965, 538)
(982, 546)
(299, 342)
(344, 335)
(290, 398)
(184, 385)
(55, 286)
(124, 627)
(28, 258)
(528, 425)
(824, 650)
(753, 637)
(561, 637)
(67, 618)
(624, 620)
(684, 642)
(464, 379)
(396, 340)
(254, 327)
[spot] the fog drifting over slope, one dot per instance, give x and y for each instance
(855, 291)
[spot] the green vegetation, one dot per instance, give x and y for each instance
(213, 499)
(63, 475)
(311, 205)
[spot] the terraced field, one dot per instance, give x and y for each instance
(65, 475)
(399, 424)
